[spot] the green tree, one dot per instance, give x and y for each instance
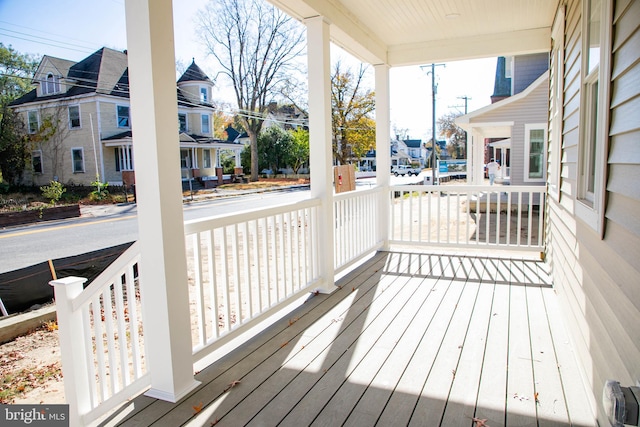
(299, 155)
(457, 136)
(351, 106)
(256, 45)
(274, 148)
(16, 72)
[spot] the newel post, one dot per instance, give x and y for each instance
(74, 361)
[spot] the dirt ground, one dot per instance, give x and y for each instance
(30, 369)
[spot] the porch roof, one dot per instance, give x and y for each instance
(409, 32)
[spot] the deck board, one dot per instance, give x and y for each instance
(407, 339)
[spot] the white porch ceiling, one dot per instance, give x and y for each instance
(409, 32)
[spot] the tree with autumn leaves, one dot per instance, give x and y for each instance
(351, 107)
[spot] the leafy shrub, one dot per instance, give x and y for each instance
(53, 192)
(100, 192)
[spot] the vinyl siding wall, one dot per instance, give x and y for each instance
(527, 68)
(598, 279)
(531, 109)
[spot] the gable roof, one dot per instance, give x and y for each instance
(466, 121)
(413, 143)
(104, 71)
(60, 65)
(194, 73)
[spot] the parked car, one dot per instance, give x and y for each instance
(405, 170)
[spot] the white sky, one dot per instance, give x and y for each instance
(73, 29)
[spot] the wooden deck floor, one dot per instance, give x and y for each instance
(408, 339)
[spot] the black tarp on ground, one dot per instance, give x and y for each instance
(21, 289)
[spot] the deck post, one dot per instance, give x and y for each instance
(163, 265)
(320, 155)
(73, 357)
(383, 151)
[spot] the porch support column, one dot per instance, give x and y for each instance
(238, 158)
(163, 266)
(320, 153)
(475, 157)
(383, 149)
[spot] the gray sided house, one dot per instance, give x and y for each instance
(512, 129)
(92, 136)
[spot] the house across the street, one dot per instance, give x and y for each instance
(80, 121)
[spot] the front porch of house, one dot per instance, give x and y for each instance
(409, 338)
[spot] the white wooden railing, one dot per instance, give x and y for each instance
(101, 339)
(246, 265)
(500, 217)
(356, 228)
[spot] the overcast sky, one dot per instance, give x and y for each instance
(73, 29)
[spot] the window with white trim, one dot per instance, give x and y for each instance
(36, 161)
(122, 112)
(34, 121)
(182, 122)
(74, 116)
(205, 124)
(77, 160)
(204, 94)
(596, 58)
(206, 157)
(51, 85)
(185, 159)
(124, 158)
(535, 148)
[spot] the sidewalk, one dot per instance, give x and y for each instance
(107, 210)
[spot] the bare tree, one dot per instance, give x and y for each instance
(51, 135)
(256, 45)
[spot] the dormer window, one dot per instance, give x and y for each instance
(51, 85)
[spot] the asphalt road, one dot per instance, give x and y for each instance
(105, 226)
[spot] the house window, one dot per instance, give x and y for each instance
(51, 85)
(182, 122)
(36, 161)
(185, 159)
(596, 54)
(77, 160)
(204, 95)
(535, 147)
(205, 123)
(124, 159)
(206, 154)
(123, 116)
(34, 122)
(74, 116)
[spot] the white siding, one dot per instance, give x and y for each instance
(598, 279)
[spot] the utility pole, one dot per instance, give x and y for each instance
(466, 145)
(466, 101)
(434, 90)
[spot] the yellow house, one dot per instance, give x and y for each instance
(87, 106)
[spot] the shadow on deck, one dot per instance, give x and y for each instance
(407, 339)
